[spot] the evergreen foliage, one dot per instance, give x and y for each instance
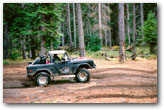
(92, 42)
(27, 25)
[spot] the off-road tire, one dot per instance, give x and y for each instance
(45, 77)
(86, 77)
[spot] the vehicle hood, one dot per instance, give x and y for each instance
(81, 59)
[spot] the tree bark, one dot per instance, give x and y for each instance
(134, 32)
(100, 23)
(43, 49)
(74, 25)
(29, 53)
(51, 45)
(110, 39)
(69, 24)
(63, 34)
(109, 33)
(89, 23)
(23, 45)
(6, 42)
(142, 18)
(80, 31)
(11, 46)
(43, 42)
(106, 41)
(33, 52)
(122, 33)
(23, 41)
(128, 28)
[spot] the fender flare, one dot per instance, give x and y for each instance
(85, 65)
(43, 70)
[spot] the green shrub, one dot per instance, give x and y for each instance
(92, 43)
(150, 32)
(14, 56)
(5, 62)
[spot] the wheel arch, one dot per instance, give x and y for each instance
(84, 65)
(43, 70)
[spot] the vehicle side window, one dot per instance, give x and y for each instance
(36, 61)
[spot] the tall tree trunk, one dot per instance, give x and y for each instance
(63, 34)
(33, 47)
(86, 28)
(43, 42)
(110, 39)
(80, 31)
(69, 24)
(110, 33)
(51, 45)
(142, 18)
(128, 28)
(134, 33)
(24, 48)
(74, 25)
(106, 41)
(23, 41)
(63, 40)
(43, 49)
(11, 46)
(6, 42)
(100, 23)
(23, 45)
(89, 23)
(122, 33)
(29, 53)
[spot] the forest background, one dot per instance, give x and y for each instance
(100, 30)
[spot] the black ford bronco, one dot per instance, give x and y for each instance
(43, 69)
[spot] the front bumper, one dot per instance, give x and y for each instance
(28, 77)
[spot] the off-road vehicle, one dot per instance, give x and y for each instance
(45, 68)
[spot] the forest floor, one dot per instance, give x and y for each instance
(111, 82)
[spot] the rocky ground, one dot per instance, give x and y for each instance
(111, 82)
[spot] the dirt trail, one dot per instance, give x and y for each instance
(132, 82)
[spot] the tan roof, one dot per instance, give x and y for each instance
(56, 52)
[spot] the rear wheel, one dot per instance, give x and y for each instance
(42, 79)
(83, 75)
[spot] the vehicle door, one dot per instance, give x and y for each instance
(63, 66)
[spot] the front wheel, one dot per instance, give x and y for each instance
(42, 79)
(83, 75)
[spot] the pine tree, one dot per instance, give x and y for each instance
(142, 18)
(74, 25)
(80, 31)
(121, 32)
(69, 24)
(128, 27)
(100, 23)
(134, 33)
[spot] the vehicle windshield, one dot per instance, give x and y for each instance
(40, 60)
(36, 61)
